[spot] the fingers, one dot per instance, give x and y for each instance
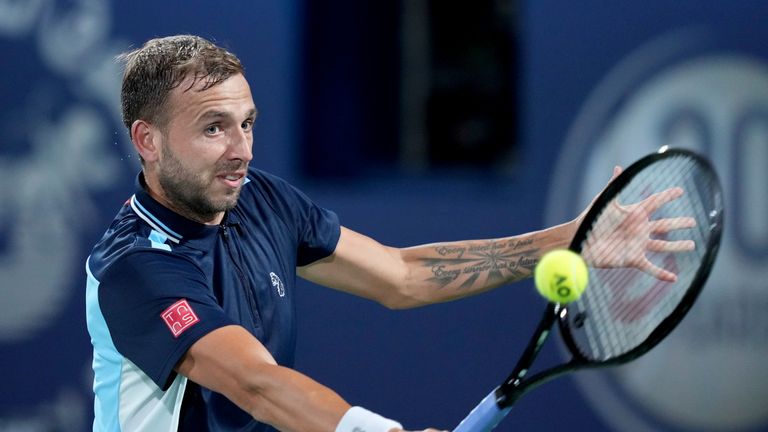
(653, 202)
(671, 246)
(662, 226)
(657, 272)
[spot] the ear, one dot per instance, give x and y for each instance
(146, 139)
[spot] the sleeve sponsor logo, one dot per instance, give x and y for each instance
(179, 317)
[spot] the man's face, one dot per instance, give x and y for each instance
(205, 149)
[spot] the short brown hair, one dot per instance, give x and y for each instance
(162, 64)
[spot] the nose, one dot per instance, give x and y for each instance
(241, 146)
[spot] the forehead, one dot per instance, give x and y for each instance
(232, 96)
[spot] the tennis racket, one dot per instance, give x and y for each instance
(650, 240)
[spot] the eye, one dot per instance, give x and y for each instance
(212, 129)
(247, 125)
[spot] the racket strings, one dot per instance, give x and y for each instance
(623, 306)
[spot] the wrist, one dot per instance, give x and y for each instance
(571, 228)
(559, 236)
(358, 419)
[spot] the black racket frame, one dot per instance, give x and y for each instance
(515, 386)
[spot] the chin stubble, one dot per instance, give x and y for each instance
(186, 190)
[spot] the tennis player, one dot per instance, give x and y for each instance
(190, 293)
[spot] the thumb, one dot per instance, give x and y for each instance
(616, 171)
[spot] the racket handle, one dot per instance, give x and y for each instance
(484, 417)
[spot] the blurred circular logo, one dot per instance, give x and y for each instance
(710, 373)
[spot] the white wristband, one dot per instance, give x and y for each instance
(358, 419)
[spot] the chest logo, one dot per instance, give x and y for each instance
(277, 283)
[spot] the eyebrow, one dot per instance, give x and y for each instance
(213, 115)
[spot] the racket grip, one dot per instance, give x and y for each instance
(484, 417)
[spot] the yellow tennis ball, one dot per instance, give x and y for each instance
(561, 276)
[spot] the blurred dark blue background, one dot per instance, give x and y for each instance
(416, 121)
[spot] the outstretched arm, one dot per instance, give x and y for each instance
(230, 361)
(432, 273)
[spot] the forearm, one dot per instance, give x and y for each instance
(232, 362)
(291, 401)
(446, 271)
(432, 273)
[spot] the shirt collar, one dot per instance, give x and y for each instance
(175, 227)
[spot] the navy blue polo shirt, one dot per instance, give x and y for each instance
(158, 282)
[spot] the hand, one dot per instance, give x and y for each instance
(623, 234)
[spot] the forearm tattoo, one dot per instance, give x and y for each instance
(489, 263)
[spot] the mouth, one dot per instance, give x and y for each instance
(232, 179)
